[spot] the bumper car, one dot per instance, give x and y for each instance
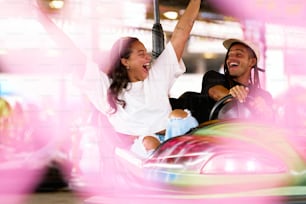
(223, 160)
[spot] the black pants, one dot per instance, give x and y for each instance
(195, 102)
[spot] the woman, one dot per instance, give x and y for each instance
(134, 92)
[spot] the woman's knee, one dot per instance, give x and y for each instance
(150, 143)
(178, 113)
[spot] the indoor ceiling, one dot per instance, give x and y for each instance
(208, 11)
(181, 4)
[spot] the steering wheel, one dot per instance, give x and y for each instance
(230, 108)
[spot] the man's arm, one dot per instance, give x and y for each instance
(184, 26)
(217, 92)
(263, 103)
(214, 85)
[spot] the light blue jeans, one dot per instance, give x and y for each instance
(175, 127)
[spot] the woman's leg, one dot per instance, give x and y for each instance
(145, 145)
(180, 122)
(150, 143)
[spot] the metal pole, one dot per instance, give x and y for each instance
(158, 44)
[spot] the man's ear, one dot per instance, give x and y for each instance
(253, 61)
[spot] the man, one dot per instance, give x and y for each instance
(240, 79)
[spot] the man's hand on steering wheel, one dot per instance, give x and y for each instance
(239, 92)
(262, 108)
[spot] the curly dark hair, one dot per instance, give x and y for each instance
(117, 71)
(254, 80)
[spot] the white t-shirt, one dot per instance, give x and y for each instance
(147, 103)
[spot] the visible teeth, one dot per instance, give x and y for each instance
(147, 66)
(233, 64)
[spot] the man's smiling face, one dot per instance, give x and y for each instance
(240, 62)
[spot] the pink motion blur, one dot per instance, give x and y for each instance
(45, 119)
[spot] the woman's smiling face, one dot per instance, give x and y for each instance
(139, 62)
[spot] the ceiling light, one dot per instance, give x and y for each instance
(56, 4)
(209, 55)
(171, 15)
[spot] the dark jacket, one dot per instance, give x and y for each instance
(212, 78)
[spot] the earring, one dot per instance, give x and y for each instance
(127, 67)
